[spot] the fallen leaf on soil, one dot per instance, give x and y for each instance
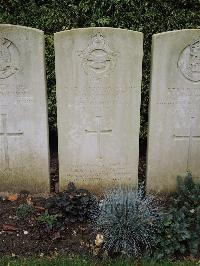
(29, 200)
(82, 243)
(99, 240)
(55, 253)
(39, 209)
(56, 235)
(12, 197)
(9, 227)
(74, 233)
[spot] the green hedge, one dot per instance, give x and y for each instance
(147, 16)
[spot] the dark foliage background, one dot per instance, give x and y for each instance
(147, 16)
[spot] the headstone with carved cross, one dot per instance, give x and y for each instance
(98, 74)
(24, 163)
(174, 117)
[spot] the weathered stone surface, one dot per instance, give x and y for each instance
(24, 162)
(174, 130)
(98, 74)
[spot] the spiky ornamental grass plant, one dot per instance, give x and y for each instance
(127, 221)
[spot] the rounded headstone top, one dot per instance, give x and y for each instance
(96, 29)
(12, 27)
(186, 43)
(175, 32)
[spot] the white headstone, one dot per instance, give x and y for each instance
(174, 126)
(98, 74)
(24, 162)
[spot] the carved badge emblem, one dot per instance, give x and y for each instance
(98, 57)
(189, 61)
(9, 58)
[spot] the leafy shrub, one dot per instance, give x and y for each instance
(180, 231)
(127, 222)
(48, 220)
(72, 205)
(24, 210)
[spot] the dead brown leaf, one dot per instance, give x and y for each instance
(56, 235)
(29, 200)
(9, 227)
(39, 209)
(99, 240)
(12, 197)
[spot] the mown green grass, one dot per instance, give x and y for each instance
(65, 261)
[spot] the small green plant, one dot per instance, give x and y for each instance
(180, 230)
(72, 205)
(24, 210)
(48, 220)
(127, 222)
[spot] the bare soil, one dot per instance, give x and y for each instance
(25, 237)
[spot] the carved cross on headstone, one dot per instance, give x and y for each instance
(99, 132)
(5, 134)
(190, 137)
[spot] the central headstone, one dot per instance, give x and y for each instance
(174, 130)
(24, 154)
(98, 74)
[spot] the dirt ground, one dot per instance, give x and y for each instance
(26, 237)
